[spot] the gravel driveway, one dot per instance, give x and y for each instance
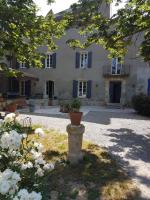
(122, 132)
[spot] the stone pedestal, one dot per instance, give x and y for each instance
(75, 138)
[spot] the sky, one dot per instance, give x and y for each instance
(59, 5)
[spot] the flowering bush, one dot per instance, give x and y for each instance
(22, 165)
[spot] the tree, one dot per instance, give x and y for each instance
(22, 31)
(115, 34)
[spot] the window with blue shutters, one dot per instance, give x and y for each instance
(50, 61)
(83, 59)
(82, 89)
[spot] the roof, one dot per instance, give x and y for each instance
(21, 74)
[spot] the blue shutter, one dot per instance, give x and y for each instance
(89, 89)
(89, 59)
(54, 60)
(148, 91)
(75, 89)
(77, 60)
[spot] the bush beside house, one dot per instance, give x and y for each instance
(141, 103)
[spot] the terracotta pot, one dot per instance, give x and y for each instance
(75, 118)
(11, 107)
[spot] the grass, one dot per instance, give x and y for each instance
(97, 177)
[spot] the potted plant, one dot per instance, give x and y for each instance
(65, 107)
(75, 114)
(11, 107)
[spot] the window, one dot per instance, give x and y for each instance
(116, 66)
(22, 89)
(22, 65)
(13, 85)
(49, 61)
(84, 60)
(82, 89)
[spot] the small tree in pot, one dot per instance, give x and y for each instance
(75, 114)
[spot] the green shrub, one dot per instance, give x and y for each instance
(75, 105)
(141, 103)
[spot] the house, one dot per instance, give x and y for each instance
(87, 74)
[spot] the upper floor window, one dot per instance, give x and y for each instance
(50, 61)
(116, 66)
(82, 89)
(83, 59)
(22, 65)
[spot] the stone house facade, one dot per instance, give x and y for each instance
(87, 74)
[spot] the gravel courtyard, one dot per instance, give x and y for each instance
(125, 134)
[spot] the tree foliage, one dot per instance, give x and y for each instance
(22, 31)
(116, 33)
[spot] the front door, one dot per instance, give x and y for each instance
(50, 89)
(115, 91)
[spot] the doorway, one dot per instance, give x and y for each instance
(25, 89)
(115, 91)
(50, 89)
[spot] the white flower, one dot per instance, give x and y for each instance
(24, 135)
(40, 172)
(28, 165)
(40, 161)
(40, 132)
(9, 181)
(10, 117)
(39, 146)
(11, 140)
(49, 166)
(36, 154)
(35, 196)
(23, 194)
(4, 187)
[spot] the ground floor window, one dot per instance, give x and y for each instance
(13, 85)
(82, 89)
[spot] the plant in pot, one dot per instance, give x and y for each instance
(75, 114)
(11, 107)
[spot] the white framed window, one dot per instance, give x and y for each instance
(83, 60)
(49, 60)
(82, 89)
(22, 65)
(116, 66)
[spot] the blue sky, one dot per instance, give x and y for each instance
(58, 6)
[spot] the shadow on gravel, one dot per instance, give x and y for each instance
(137, 148)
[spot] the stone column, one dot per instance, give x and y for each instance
(75, 138)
